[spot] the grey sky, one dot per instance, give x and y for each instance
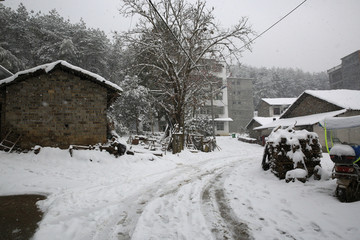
(313, 38)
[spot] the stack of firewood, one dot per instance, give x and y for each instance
(289, 149)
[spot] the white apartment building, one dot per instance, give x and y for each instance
(220, 102)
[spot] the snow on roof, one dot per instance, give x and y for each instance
(223, 120)
(301, 121)
(279, 101)
(262, 120)
(344, 98)
(4, 73)
(341, 122)
(265, 120)
(50, 66)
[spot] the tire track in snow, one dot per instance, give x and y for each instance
(123, 220)
(223, 221)
(185, 199)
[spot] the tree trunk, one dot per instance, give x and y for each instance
(137, 125)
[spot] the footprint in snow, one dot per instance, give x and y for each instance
(315, 227)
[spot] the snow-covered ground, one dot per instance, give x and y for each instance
(219, 195)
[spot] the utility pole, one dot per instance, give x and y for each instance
(212, 110)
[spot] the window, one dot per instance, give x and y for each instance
(219, 126)
(276, 111)
(205, 110)
(218, 110)
(219, 96)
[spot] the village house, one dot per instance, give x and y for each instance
(268, 110)
(259, 135)
(273, 107)
(313, 106)
(57, 105)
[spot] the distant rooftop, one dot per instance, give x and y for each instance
(279, 101)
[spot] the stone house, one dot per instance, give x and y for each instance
(313, 106)
(270, 107)
(57, 105)
(268, 110)
(259, 135)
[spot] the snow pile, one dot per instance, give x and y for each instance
(342, 150)
(297, 173)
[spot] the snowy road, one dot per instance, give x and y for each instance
(222, 195)
(186, 200)
(192, 205)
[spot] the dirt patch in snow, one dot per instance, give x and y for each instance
(19, 216)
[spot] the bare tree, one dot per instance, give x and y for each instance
(173, 42)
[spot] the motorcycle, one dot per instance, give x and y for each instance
(346, 158)
(346, 172)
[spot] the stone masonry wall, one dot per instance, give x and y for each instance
(57, 109)
(263, 109)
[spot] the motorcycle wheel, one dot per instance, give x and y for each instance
(346, 194)
(265, 164)
(340, 193)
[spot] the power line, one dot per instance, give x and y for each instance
(172, 33)
(262, 33)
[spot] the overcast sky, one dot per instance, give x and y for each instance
(313, 38)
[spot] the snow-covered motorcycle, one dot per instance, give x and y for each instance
(346, 158)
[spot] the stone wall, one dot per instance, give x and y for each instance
(263, 109)
(57, 109)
